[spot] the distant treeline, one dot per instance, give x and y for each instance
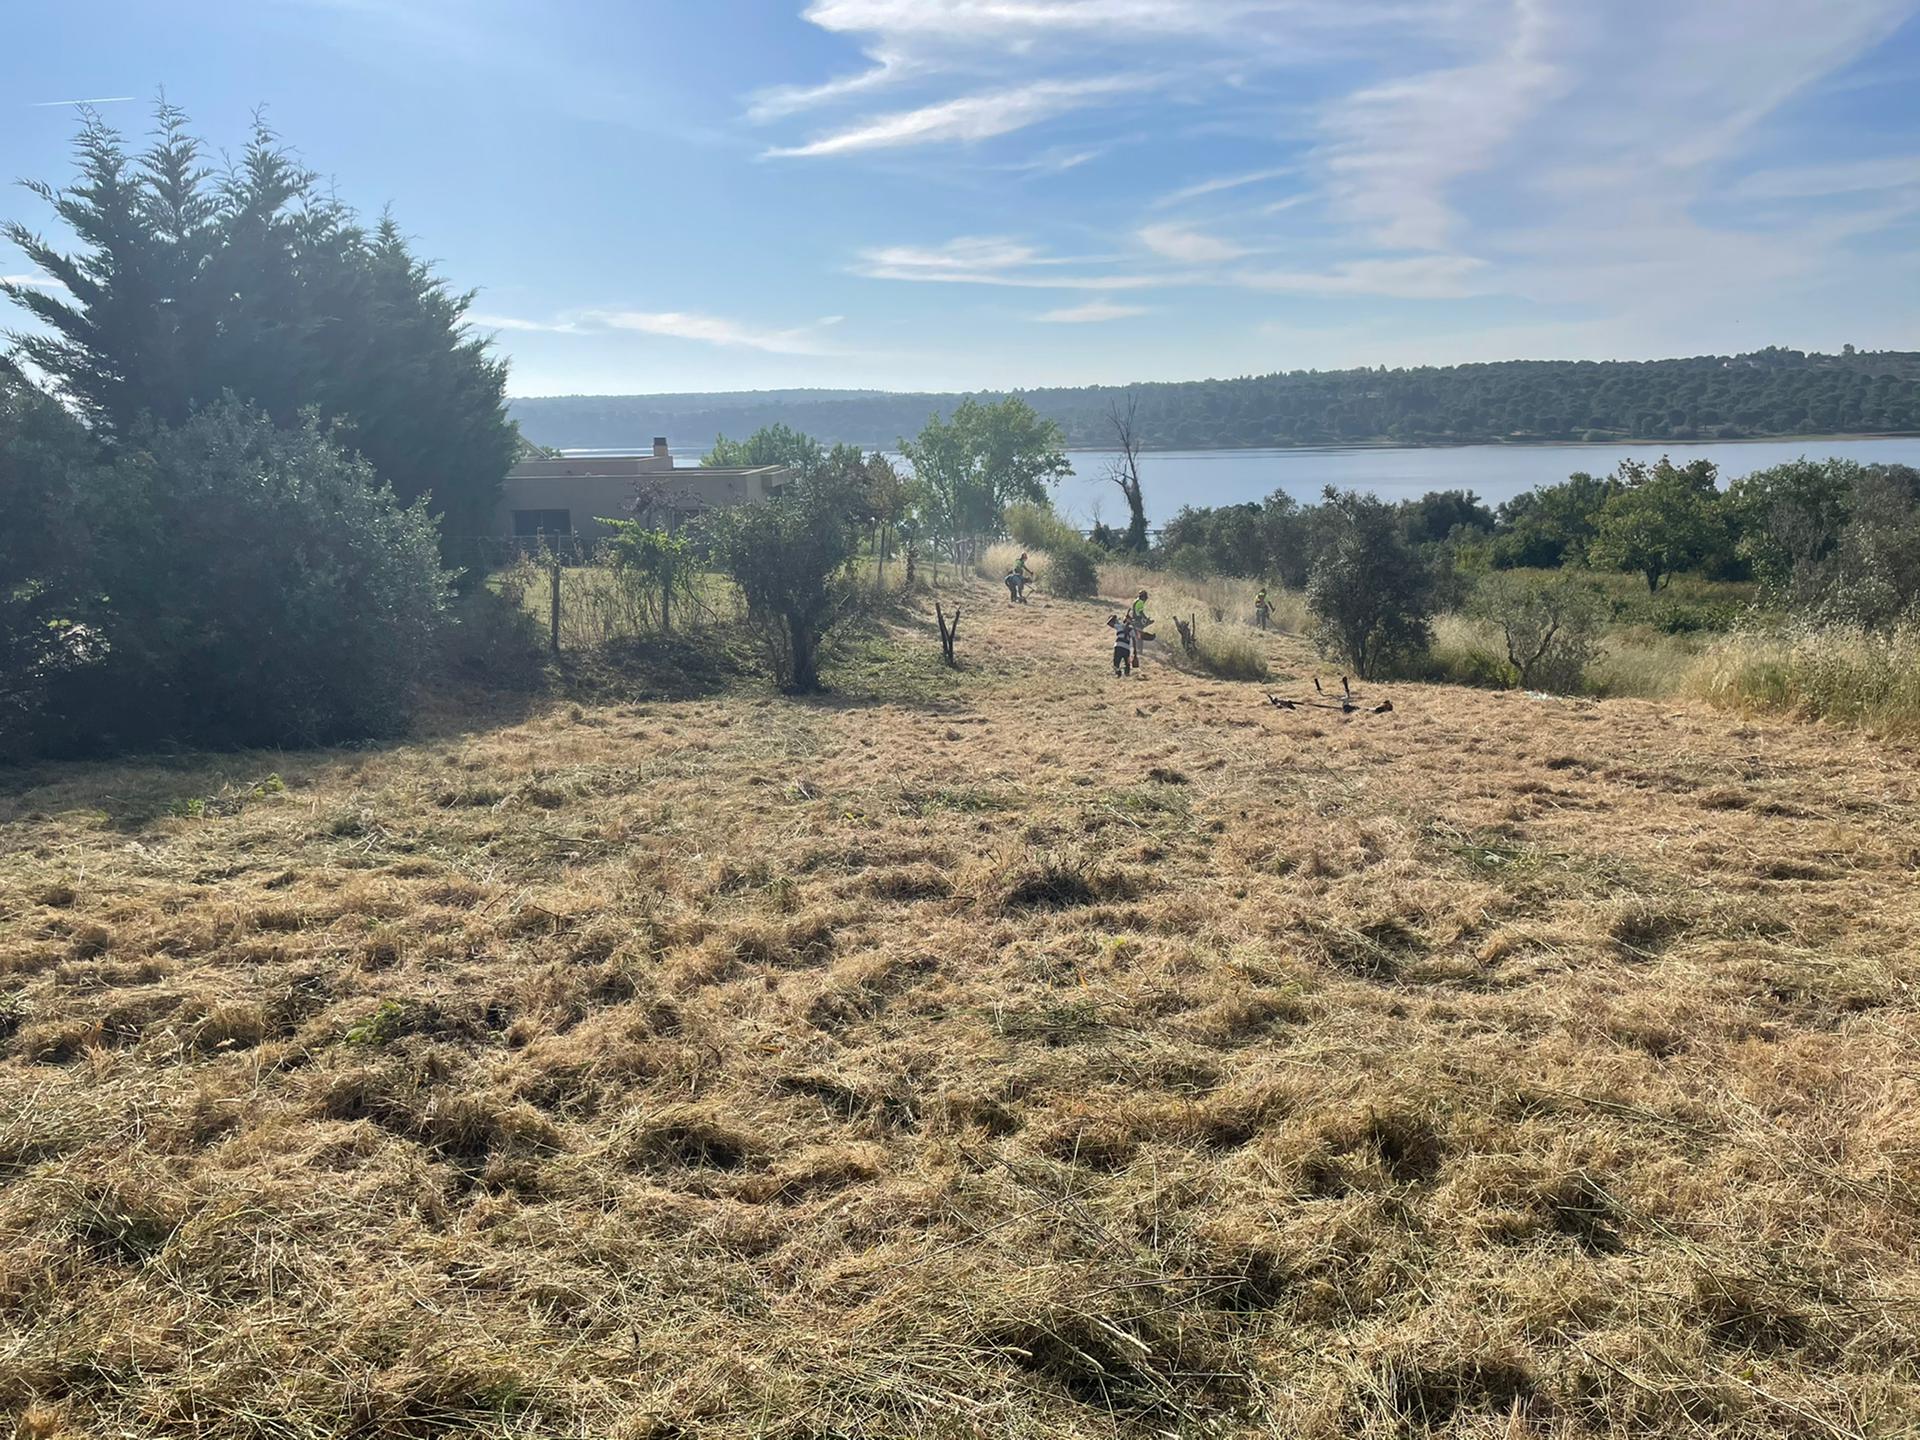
(1711, 397)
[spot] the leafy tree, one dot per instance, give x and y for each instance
(186, 287)
(889, 504)
(972, 467)
(257, 586)
(1551, 625)
(1435, 516)
(775, 444)
(1552, 524)
(1790, 519)
(1665, 520)
(1872, 577)
(52, 487)
(1370, 592)
(788, 556)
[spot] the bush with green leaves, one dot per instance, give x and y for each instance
(1073, 561)
(52, 481)
(258, 587)
(1369, 591)
(1074, 573)
(789, 556)
(656, 571)
(1667, 518)
(1551, 625)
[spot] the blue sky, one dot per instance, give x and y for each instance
(932, 194)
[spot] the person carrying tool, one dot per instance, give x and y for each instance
(1138, 620)
(1262, 611)
(1122, 644)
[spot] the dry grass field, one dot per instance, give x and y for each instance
(1014, 1053)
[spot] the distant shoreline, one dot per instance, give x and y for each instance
(1384, 445)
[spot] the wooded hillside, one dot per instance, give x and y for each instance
(1768, 392)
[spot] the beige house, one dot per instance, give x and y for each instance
(572, 495)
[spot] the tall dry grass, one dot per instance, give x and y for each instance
(1838, 673)
(1635, 662)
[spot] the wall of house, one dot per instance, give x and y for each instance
(591, 497)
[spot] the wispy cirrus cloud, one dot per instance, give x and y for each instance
(1201, 189)
(33, 282)
(780, 101)
(970, 117)
(989, 260)
(91, 100)
(1806, 182)
(1188, 245)
(1092, 313)
(717, 330)
(484, 321)
(676, 325)
(1420, 277)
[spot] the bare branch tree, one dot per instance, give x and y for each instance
(1124, 469)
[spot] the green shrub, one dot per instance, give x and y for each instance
(1372, 595)
(1190, 562)
(260, 588)
(1039, 527)
(788, 556)
(1549, 626)
(1074, 573)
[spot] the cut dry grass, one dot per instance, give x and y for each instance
(1047, 1056)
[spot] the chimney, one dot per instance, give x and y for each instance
(660, 447)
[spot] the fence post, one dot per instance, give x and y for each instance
(666, 575)
(553, 625)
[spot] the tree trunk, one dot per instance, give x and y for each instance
(804, 643)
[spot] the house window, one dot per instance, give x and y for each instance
(529, 523)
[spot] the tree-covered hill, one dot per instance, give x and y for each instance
(1768, 392)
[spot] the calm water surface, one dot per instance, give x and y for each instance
(1172, 478)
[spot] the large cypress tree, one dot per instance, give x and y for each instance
(186, 284)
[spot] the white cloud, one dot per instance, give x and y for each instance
(33, 282)
(1896, 172)
(509, 322)
(1395, 149)
(1187, 245)
(674, 324)
(969, 118)
(1018, 22)
(1223, 182)
(780, 101)
(709, 329)
(1421, 277)
(988, 260)
(93, 100)
(1090, 313)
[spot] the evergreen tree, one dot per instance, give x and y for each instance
(186, 286)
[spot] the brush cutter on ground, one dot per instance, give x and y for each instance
(1347, 704)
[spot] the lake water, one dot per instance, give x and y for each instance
(1172, 478)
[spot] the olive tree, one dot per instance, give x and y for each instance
(1551, 624)
(789, 556)
(1371, 593)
